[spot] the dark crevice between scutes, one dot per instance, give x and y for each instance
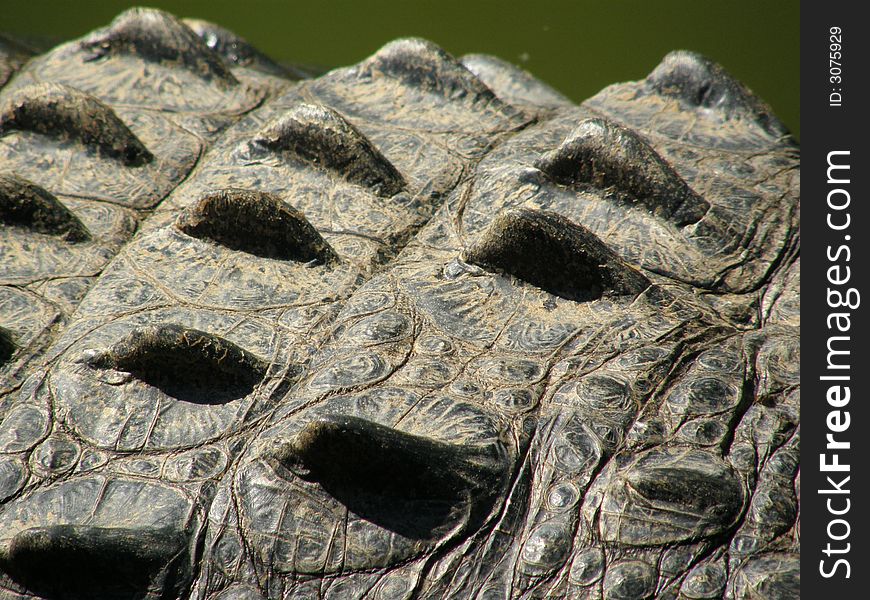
(556, 255)
(187, 364)
(414, 486)
(258, 223)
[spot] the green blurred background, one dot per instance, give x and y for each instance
(577, 47)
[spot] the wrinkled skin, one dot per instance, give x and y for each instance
(420, 327)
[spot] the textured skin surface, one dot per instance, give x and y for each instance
(417, 328)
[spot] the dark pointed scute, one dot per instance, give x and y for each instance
(158, 37)
(321, 137)
(187, 364)
(25, 204)
(61, 111)
(403, 482)
(7, 346)
(556, 255)
(236, 50)
(258, 223)
(79, 561)
(420, 63)
(700, 82)
(605, 155)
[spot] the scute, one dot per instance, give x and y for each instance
(273, 229)
(61, 111)
(13, 474)
(699, 81)
(670, 495)
(422, 64)
(322, 138)
(629, 580)
(24, 204)
(177, 71)
(774, 576)
(158, 37)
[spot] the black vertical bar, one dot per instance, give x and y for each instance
(835, 300)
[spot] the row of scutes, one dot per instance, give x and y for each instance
(355, 415)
